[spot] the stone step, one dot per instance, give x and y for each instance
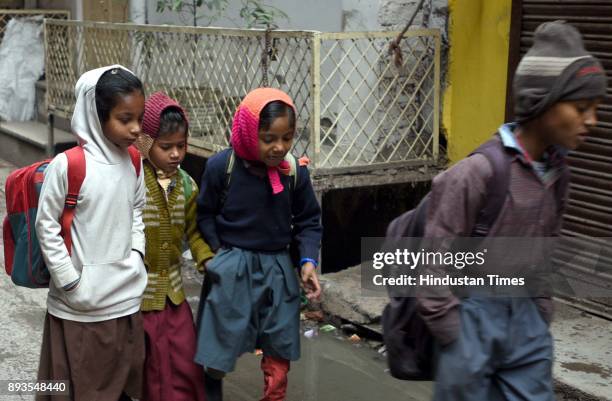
(41, 108)
(25, 142)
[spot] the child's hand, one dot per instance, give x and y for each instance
(310, 281)
(72, 286)
(204, 266)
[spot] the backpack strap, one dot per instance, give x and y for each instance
(187, 187)
(498, 185)
(561, 187)
(289, 158)
(229, 167)
(76, 176)
(135, 156)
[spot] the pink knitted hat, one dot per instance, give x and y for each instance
(245, 129)
(154, 107)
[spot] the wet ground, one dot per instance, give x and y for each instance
(331, 369)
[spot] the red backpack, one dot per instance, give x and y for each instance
(22, 255)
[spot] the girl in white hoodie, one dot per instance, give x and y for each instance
(93, 335)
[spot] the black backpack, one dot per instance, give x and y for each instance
(409, 343)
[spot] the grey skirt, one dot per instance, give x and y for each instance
(253, 301)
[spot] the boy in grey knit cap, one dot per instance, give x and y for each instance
(499, 348)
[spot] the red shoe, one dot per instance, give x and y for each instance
(275, 377)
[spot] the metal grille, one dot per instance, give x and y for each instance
(354, 108)
(7, 15)
(373, 112)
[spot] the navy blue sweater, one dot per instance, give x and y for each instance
(252, 217)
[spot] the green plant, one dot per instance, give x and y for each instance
(258, 15)
(190, 8)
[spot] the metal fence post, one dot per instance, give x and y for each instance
(50, 135)
(436, 115)
(315, 114)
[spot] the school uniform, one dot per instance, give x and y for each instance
(170, 373)
(250, 212)
(491, 346)
(254, 298)
(170, 220)
(502, 343)
(96, 327)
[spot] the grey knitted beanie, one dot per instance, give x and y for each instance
(556, 68)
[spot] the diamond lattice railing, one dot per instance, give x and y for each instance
(207, 70)
(371, 111)
(355, 108)
(6, 15)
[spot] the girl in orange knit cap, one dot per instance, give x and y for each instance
(255, 201)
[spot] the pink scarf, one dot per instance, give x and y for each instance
(245, 130)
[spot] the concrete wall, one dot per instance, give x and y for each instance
(402, 125)
(41, 4)
(70, 5)
(474, 101)
(360, 15)
(11, 4)
(99, 10)
(394, 14)
(321, 15)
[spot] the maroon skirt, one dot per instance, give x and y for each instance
(170, 372)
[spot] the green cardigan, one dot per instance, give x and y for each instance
(167, 223)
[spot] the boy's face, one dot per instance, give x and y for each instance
(168, 151)
(124, 121)
(276, 141)
(568, 123)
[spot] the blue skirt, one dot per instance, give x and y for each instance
(253, 302)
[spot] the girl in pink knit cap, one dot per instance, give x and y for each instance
(256, 203)
(169, 217)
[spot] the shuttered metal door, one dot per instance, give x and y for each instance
(589, 211)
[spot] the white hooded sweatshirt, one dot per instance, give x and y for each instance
(107, 226)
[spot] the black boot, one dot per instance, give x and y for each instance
(213, 388)
(124, 397)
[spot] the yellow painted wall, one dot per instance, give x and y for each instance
(475, 98)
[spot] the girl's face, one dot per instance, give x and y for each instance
(276, 141)
(124, 120)
(169, 151)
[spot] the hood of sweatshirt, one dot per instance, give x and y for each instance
(85, 123)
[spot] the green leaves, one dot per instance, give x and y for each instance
(170, 5)
(259, 15)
